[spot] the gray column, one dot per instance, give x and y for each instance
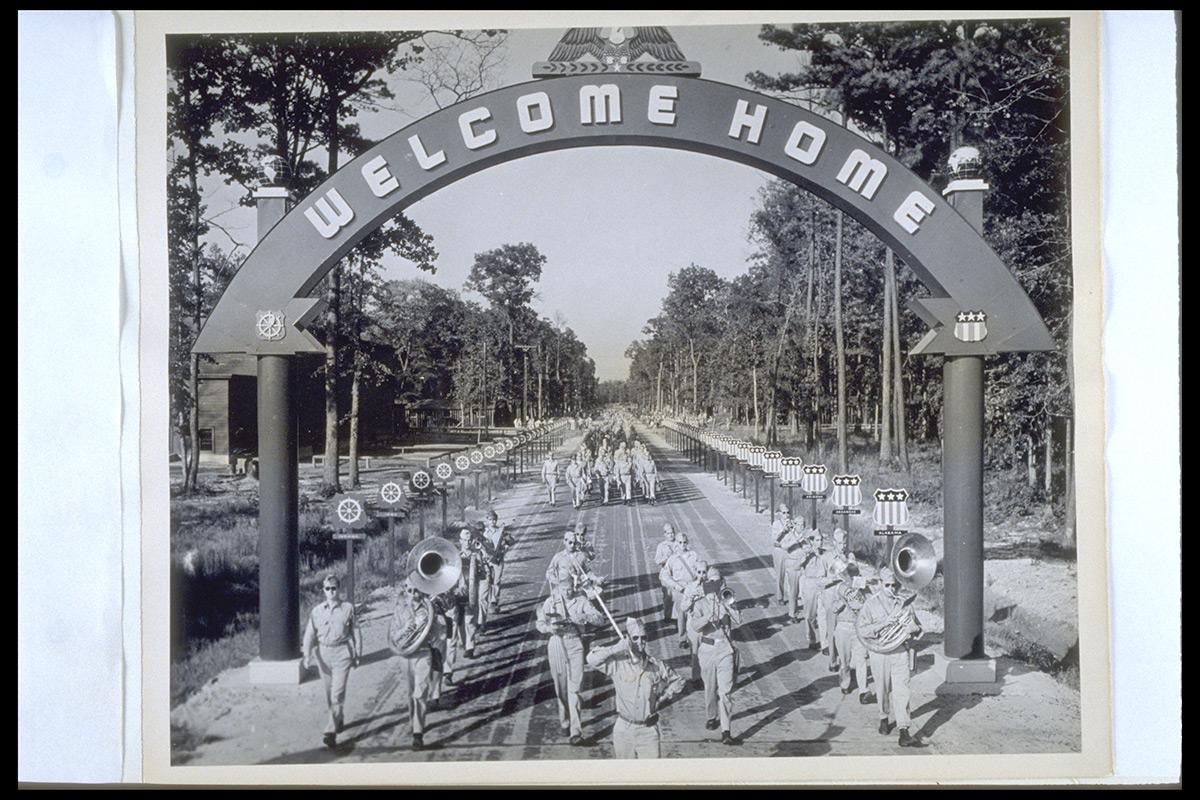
(962, 497)
(278, 512)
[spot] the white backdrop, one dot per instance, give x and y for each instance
(78, 565)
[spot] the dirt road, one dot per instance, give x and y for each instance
(786, 703)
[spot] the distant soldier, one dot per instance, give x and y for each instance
(712, 618)
(421, 670)
(603, 472)
(778, 528)
(887, 626)
(624, 468)
(332, 644)
(575, 483)
(564, 617)
(664, 550)
(650, 477)
(641, 683)
(677, 574)
(550, 475)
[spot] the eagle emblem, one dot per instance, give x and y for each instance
(646, 50)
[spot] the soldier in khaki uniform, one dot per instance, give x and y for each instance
(421, 670)
(564, 619)
(332, 644)
(663, 552)
(887, 626)
(812, 582)
(852, 654)
(641, 684)
(712, 620)
(677, 574)
(778, 528)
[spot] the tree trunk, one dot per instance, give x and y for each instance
(885, 371)
(1030, 462)
(353, 454)
(192, 464)
(897, 366)
(1047, 479)
(754, 392)
(695, 363)
(841, 347)
(329, 478)
(1069, 466)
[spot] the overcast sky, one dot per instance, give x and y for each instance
(612, 222)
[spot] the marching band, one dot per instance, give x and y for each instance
(863, 621)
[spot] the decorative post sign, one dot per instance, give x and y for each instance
(349, 519)
(391, 493)
(891, 511)
(790, 470)
(814, 485)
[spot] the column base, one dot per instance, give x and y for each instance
(965, 676)
(278, 673)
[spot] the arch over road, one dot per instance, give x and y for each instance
(953, 261)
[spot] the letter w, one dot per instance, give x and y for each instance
(329, 214)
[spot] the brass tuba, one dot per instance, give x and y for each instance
(433, 567)
(913, 561)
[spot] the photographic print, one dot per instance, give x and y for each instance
(652, 392)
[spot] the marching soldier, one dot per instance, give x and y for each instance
(830, 555)
(887, 626)
(711, 616)
(563, 618)
(575, 483)
(664, 550)
(778, 528)
(812, 581)
(796, 555)
(467, 618)
(650, 476)
(602, 472)
(852, 654)
(501, 540)
(624, 469)
(641, 684)
(677, 574)
(550, 475)
(421, 669)
(332, 644)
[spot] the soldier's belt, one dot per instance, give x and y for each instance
(648, 722)
(335, 644)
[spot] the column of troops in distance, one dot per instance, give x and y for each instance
(859, 616)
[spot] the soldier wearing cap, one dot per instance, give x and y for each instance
(421, 670)
(663, 552)
(710, 621)
(624, 470)
(887, 626)
(778, 528)
(500, 540)
(812, 581)
(550, 475)
(641, 684)
(852, 655)
(677, 574)
(796, 556)
(332, 644)
(650, 479)
(602, 470)
(835, 564)
(564, 618)
(575, 482)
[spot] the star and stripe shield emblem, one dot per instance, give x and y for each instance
(814, 480)
(847, 491)
(970, 326)
(891, 507)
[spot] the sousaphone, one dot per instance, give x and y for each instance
(433, 567)
(914, 561)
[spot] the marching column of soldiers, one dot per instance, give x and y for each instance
(862, 619)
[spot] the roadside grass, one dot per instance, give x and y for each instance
(214, 578)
